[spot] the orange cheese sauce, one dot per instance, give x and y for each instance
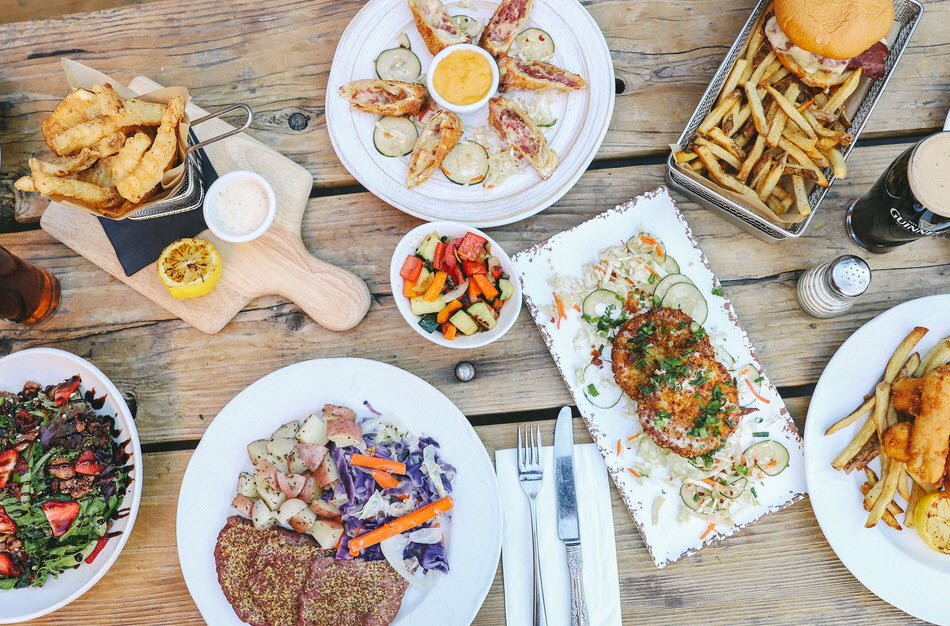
(463, 77)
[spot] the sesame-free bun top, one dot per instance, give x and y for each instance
(837, 29)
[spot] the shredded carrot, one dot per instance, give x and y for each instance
(772, 463)
(577, 308)
(373, 462)
(385, 479)
(560, 309)
(754, 392)
(602, 270)
(632, 471)
(649, 269)
(653, 242)
(634, 437)
(709, 481)
(630, 281)
(709, 529)
(619, 446)
(400, 525)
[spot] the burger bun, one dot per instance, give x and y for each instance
(837, 29)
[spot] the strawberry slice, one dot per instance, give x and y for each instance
(7, 527)
(8, 567)
(62, 392)
(60, 515)
(88, 464)
(7, 463)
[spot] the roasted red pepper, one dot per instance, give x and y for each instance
(471, 246)
(496, 273)
(7, 463)
(64, 390)
(411, 269)
(452, 264)
(438, 261)
(99, 546)
(474, 267)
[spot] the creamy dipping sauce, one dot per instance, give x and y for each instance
(463, 77)
(242, 207)
(929, 173)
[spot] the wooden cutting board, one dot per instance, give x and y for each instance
(277, 263)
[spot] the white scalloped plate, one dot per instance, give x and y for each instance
(583, 116)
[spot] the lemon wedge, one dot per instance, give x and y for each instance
(932, 519)
(189, 268)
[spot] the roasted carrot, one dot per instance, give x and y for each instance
(449, 330)
(709, 529)
(400, 525)
(473, 291)
(435, 288)
(385, 479)
(409, 289)
(484, 286)
(447, 312)
(376, 463)
(497, 304)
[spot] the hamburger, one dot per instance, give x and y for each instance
(819, 40)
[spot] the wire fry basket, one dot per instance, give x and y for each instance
(191, 194)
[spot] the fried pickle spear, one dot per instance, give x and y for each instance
(149, 171)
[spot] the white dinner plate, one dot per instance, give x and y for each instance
(583, 116)
(896, 566)
(48, 366)
(294, 392)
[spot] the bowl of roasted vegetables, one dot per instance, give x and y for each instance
(454, 285)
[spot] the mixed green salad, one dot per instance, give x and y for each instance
(63, 478)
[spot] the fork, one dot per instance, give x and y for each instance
(530, 475)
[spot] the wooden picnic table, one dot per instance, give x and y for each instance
(275, 56)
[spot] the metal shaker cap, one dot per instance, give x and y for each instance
(849, 275)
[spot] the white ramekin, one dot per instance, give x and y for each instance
(462, 108)
(211, 202)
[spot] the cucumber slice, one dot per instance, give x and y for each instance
(597, 301)
(670, 265)
(533, 44)
(395, 136)
(693, 496)
(468, 25)
(398, 64)
(769, 456)
(687, 298)
(734, 489)
(545, 122)
(698, 462)
(661, 287)
(466, 164)
(746, 395)
(403, 41)
(600, 388)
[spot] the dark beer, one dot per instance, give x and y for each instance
(28, 294)
(909, 201)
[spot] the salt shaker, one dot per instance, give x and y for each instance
(830, 289)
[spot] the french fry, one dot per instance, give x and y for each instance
(921, 369)
(869, 428)
(775, 204)
(788, 106)
(775, 130)
(818, 158)
(799, 139)
(886, 495)
(837, 162)
(799, 170)
(796, 153)
(685, 156)
(755, 42)
(779, 75)
(801, 197)
(900, 355)
(719, 152)
(769, 72)
(756, 76)
(939, 357)
(754, 155)
(882, 398)
(741, 118)
(902, 484)
(724, 140)
(715, 116)
(843, 92)
(892, 506)
(755, 107)
(888, 516)
(853, 417)
(768, 183)
(760, 169)
(717, 173)
(908, 369)
(734, 76)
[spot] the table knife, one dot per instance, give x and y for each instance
(568, 526)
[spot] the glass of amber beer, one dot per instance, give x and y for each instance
(909, 201)
(28, 294)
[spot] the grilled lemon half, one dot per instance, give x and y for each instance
(932, 519)
(189, 268)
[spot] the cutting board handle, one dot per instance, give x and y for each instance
(335, 298)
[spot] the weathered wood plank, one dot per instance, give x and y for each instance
(277, 59)
(171, 366)
(24, 10)
(781, 551)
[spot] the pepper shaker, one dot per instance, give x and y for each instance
(830, 289)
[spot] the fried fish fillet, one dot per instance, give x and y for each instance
(96, 196)
(930, 439)
(905, 395)
(79, 106)
(130, 155)
(686, 400)
(150, 170)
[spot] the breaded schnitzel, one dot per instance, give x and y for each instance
(686, 400)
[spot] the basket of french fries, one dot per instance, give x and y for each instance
(118, 154)
(765, 142)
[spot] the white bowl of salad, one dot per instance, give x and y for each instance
(454, 285)
(71, 470)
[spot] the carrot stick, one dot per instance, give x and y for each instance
(473, 291)
(709, 529)
(577, 308)
(484, 285)
(409, 289)
(450, 308)
(631, 470)
(376, 463)
(384, 479)
(448, 331)
(400, 525)
(435, 288)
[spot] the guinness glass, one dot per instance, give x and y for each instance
(909, 201)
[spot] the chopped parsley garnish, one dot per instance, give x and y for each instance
(759, 379)
(760, 434)
(742, 470)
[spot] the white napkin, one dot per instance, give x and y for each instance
(601, 582)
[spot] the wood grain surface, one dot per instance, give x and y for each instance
(276, 57)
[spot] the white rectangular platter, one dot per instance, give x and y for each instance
(668, 531)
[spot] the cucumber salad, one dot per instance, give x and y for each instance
(634, 276)
(479, 158)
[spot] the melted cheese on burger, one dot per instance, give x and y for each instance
(809, 61)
